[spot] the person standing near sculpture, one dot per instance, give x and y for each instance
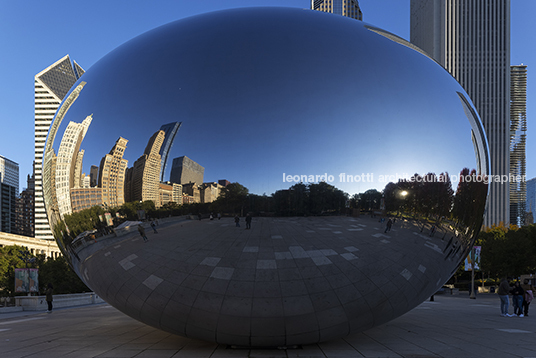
(248, 221)
(529, 296)
(517, 297)
(48, 293)
(503, 291)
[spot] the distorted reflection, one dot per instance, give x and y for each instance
(322, 182)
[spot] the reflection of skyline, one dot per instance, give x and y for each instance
(72, 190)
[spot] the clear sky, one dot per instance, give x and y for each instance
(34, 34)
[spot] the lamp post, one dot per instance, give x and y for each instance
(472, 295)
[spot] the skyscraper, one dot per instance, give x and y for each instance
(50, 87)
(471, 39)
(146, 171)
(112, 175)
(69, 157)
(186, 171)
(170, 131)
(531, 201)
(348, 8)
(9, 189)
(518, 130)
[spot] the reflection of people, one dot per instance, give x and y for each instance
(219, 216)
(248, 221)
(502, 292)
(388, 225)
(154, 227)
(237, 221)
(517, 297)
(48, 293)
(142, 232)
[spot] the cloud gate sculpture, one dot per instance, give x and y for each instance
(308, 176)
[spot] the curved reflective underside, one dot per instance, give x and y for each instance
(361, 162)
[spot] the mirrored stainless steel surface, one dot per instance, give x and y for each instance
(344, 144)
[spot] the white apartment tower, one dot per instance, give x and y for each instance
(51, 86)
(471, 39)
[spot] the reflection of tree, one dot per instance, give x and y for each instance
(311, 199)
(428, 195)
(470, 199)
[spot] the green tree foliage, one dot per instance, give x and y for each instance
(311, 199)
(55, 271)
(508, 251)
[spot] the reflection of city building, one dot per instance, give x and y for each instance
(69, 157)
(531, 201)
(192, 190)
(93, 176)
(471, 40)
(224, 182)
(112, 175)
(170, 131)
(9, 188)
(184, 171)
(146, 171)
(85, 198)
(518, 130)
(209, 192)
(169, 192)
(51, 86)
(348, 8)
(24, 211)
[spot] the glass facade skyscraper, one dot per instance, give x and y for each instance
(471, 39)
(170, 131)
(50, 87)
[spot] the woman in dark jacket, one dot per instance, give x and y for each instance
(48, 293)
(517, 293)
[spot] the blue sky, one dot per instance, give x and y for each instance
(35, 34)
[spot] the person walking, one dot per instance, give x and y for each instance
(502, 292)
(517, 297)
(49, 292)
(248, 221)
(237, 221)
(388, 225)
(141, 230)
(154, 227)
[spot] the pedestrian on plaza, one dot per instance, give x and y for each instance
(211, 216)
(154, 227)
(517, 297)
(219, 216)
(141, 230)
(502, 292)
(529, 296)
(248, 221)
(388, 225)
(237, 221)
(49, 292)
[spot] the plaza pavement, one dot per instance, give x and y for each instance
(450, 326)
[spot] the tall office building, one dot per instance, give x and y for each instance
(50, 87)
(145, 179)
(24, 210)
(112, 175)
(9, 189)
(170, 131)
(186, 171)
(348, 8)
(69, 163)
(93, 176)
(531, 201)
(518, 137)
(471, 39)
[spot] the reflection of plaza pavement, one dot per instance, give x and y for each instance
(286, 280)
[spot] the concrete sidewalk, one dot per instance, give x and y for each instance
(451, 326)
